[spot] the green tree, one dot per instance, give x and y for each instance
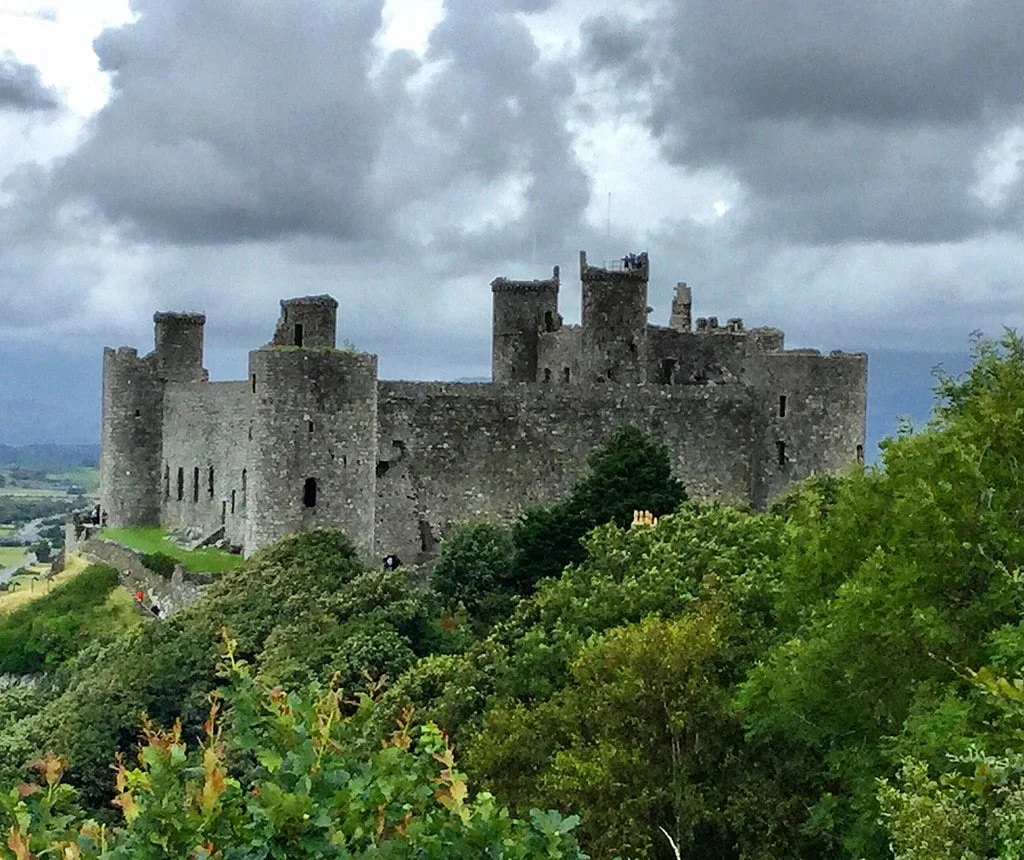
(629, 471)
(474, 568)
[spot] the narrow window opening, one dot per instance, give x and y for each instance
(780, 451)
(632, 348)
(549, 321)
(298, 334)
(860, 455)
(427, 541)
(138, 413)
(566, 374)
(195, 484)
(344, 460)
(167, 481)
(245, 486)
(209, 483)
(232, 501)
(309, 493)
(181, 483)
(250, 432)
(382, 468)
(223, 512)
(611, 375)
(547, 374)
(309, 426)
(782, 406)
(668, 370)
(254, 383)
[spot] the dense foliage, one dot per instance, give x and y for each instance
(284, 776)
(51, 631)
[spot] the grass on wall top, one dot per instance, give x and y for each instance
(152, 539)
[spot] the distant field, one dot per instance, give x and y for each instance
(33, 493)
(11, 555)
(151, 539)
(7, 530)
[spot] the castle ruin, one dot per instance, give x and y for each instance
(312, 438)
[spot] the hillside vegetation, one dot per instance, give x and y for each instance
(836, 677)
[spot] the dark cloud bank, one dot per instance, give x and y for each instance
(22, 88)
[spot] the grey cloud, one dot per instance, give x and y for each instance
(843, 122)
(255, 121)
(22, 88)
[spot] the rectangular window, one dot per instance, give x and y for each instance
(232, 501)
(782, 406)
(209, 483)
(298, 334)
(860, 455)
(780, 451)
(668, 371)
(181, 483)
(167, 481)
(254, 383)
(195, 484)
(567, 375)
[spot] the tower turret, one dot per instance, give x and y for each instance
(179, 346)
(682, 309)
(131, 438)
(307, 321)
(614, 320)
(522, 310)
(313, 453)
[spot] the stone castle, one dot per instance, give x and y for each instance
(313, 438)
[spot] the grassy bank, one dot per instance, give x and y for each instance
(152, 539)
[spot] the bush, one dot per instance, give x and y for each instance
(48, 632)
(304, 776)
(160, 563)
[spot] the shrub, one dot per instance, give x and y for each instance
(160, 563)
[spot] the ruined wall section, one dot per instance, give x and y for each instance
(558, 356)
(130, 438)
(487, 451)
(179, 346)
(205, 441)
(313, 452)
(614, 322)
(309, 321)
(816, 410)
(522, 310)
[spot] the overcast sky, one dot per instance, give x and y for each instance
(849, 172)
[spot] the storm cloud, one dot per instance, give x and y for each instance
(867, 121)
(22, 88)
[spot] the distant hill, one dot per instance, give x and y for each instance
(87, 455)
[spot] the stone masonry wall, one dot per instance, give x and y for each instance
(457, 451)
(314, 418)
(170, 595)
(206, 427)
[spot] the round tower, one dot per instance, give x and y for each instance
(614, 320)
(313, 453)
(179, 346)
(309, 321)
(522, 310)
(131, 438)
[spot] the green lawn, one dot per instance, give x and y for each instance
(6, 530)
(150, 539)
(11, 555)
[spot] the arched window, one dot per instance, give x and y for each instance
(181, 483)
(309, 493)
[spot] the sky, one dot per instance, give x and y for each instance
(851, 173)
